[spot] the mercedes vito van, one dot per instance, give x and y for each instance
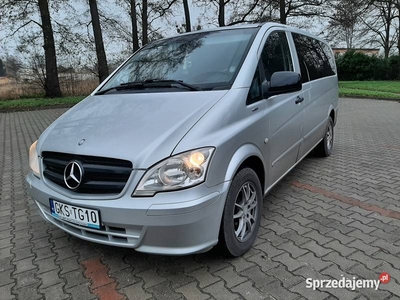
(174, 152)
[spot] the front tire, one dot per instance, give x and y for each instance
(242, 213)
(324, 148)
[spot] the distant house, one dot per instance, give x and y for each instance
(366, 51)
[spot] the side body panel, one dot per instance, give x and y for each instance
(286, 120)
(321, 97)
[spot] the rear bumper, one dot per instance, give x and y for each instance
(173, 223)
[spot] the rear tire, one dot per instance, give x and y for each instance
(242, 213)
(324, 148)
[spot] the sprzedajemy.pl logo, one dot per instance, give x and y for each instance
(346, 283)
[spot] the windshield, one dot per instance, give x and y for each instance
(207, 60)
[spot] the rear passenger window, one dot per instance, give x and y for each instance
(314, 60)
(330, 58)
(276, 55)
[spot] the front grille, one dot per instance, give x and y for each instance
(101, 175)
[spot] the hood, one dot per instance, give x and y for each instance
(143, 128)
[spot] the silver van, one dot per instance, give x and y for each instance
(175, 151)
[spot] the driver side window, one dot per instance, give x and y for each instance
(276, 55)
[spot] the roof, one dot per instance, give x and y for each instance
(238, 26)
(253, 25)
(364, 49)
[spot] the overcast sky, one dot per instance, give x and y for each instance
(113, 49)
(8, 44)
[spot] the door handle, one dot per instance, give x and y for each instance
(299, 100)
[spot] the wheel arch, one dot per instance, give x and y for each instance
(247, 156)
(332, 113)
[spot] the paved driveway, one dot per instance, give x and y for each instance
(327, 219)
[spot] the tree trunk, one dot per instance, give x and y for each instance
(398, 37)
(98, 40)
(52, 83)
(221, 13)
(282, 10)
(135, 38)
(389, 20)
(187, 15)
(145, 24)
(386, 47)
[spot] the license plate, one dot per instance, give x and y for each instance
(75, 214)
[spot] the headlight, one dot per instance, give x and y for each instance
(175, 173)
(34, 160)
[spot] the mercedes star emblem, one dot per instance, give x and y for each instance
(73, 174)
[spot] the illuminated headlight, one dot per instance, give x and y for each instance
(34, 160)
(177, 172)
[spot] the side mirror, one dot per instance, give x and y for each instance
(284, 82)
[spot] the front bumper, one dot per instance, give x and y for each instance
(171, 223)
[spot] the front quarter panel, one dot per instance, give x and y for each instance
(236, 131)
(244, 152)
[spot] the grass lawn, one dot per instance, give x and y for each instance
(31, 103)
(370, 89)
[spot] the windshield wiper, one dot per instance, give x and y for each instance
(149, 83)
(123, 86)
(173, 81)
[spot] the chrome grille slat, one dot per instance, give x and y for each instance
(54, 176)
(102, 175)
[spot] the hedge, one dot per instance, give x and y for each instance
(358, 66)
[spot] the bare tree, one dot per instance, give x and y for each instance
(2, 69)
(37, 66)
(187, 15)
(152, 11)
(219, 7)
(282, 11)
(52, 84)
(145, 22)
(378, 24)
(133, 16)
(298, 8)
(273, 10)
(13, 67)
(124, 29)
(20, 15)
(276, 10)
(98, 38)
(250, 12)
(221, 12)
(344, 21)
(397, 6)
